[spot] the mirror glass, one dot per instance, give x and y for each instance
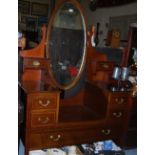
(66, 45)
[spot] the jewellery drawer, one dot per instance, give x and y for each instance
(104, 66)
(43, 119)
(44, 100)
(32, 63)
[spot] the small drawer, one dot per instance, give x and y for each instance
(31, 63)
(44, 101)
(117, 114)
(43, 119)
(119, 100)
(104, 66)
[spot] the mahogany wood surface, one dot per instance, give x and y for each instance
(98, 67)
(72, 120)
(37, 52)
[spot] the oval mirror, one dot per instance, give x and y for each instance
(66, 44)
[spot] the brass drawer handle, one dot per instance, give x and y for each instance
(44, 104)
(106, 132)
(55, 138)
(45, 121)
(48, 102)
(36, 63)
(117, 114)
(121, 101)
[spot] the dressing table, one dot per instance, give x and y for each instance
(64, 87)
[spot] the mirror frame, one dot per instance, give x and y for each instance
(59, 4)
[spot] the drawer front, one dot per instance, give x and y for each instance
(44, 101)
(117, 114)
(104, 66)
(118, 100)
(30, 63)
(73, 137)
(43, 119)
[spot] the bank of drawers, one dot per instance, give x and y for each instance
(43, 109)
(118, 103)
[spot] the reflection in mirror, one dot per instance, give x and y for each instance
(67, 44)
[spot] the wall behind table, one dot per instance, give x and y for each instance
(103, 15)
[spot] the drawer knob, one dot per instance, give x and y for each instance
(119, 101)
(106, 132)
(36, 63)
(45, 121)
(44, 104)
(48, 102)
(55, 138)
(117, 114)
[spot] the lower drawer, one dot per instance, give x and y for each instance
(117, 114)
(71, 137)
(43, 119)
